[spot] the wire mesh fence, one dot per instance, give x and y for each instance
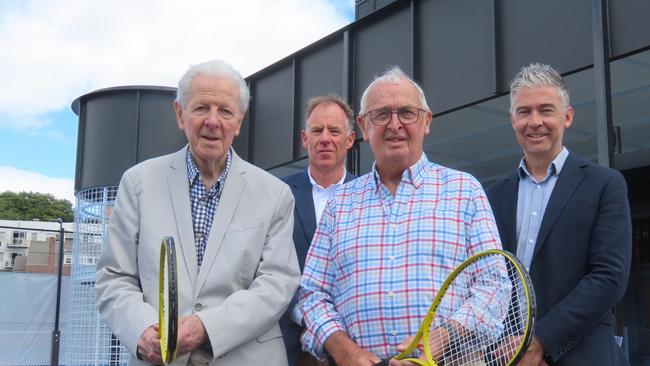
(29, 272)
(88, 339)
(29, 289)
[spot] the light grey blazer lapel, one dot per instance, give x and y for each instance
(180, 192)
(230, 196)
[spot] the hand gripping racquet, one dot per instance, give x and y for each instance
(483, 315)
(168, 300)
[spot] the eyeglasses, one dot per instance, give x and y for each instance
(406, 115)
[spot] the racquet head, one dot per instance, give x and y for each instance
(168, 300)
(483, 314)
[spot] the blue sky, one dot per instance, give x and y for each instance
(55, 51)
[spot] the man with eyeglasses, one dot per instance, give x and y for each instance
(387, 240)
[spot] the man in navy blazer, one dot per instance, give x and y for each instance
(327, 136)
(568, 220)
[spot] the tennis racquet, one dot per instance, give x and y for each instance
(483, 315)
(168, 300)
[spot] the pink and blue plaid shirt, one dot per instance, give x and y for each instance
(377, 260)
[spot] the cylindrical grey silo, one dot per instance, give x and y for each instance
(118, 128)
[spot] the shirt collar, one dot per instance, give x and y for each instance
(414, 174)
(553, 169)
(193, 170)
(318, 186)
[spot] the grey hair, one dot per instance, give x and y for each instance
(213, 68)
(394, 74)
(314, 102)
(539, 75)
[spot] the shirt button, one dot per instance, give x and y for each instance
(198, 236)
(392, 257)
(394, 332)
(534, 213)
(531, 241)
(539, 186)
(391, 294)
(198, 307)
(394, 226)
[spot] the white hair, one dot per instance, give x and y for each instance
(213, 68)
(393, 75)
(539, 75)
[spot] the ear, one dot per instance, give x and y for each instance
(349, 140)
(512, 120)
(568, 117)
(362, 125)
(427, 122)
(238, 128)
(178, 110)
(304, 136)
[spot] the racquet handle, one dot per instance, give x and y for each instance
(383, 362)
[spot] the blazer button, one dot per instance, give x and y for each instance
(198, 307)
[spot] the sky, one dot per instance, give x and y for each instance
(52, 52)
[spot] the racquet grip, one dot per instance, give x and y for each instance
(383, 362)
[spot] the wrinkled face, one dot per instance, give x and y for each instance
(539, 119)
(396, 144)
(210, 118)
(327, 137)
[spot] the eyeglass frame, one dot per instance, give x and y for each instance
(394, 111)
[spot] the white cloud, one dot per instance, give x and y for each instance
(55, 51)
(16, 180)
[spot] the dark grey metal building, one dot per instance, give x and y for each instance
(463, 53)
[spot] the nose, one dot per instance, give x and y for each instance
(394, 123)
(325, 137)
(535, 120)
(212, 119)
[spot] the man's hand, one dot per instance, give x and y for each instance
(347, 353)
(439, 339)
(534, 355)
(149, 346)
(191, 334)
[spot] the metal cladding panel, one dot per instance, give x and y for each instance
(109, 139)
(380, 44)
(158, 131)
(273, 116)
(629, 27)
(557, 33)
(240, 143)
(456, 48)
(319, 73)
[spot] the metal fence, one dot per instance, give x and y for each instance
(47, 318)
(89, 340)
(33, 288)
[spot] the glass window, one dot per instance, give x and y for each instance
(631, 113)
(631, 109)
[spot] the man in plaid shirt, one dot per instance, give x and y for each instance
(387, 240)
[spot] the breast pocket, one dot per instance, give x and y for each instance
(241, 252)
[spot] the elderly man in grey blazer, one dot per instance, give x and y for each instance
(232, 223)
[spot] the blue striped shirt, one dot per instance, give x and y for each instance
(532, 199)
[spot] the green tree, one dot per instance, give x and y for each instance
(34, 206)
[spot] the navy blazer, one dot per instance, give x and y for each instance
(581, 262)
(304, 226)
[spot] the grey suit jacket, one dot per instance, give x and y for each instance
(249, 271)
